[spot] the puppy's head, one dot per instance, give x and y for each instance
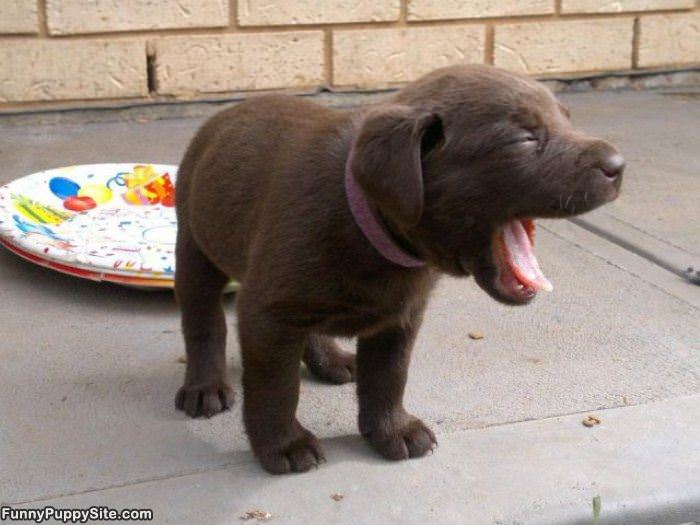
(461, 162)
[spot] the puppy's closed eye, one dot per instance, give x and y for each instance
(529, 138)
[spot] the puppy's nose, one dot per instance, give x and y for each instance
(613, 165)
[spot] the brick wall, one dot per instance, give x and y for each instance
(75, 50)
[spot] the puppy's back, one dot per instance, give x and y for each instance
(235, 161)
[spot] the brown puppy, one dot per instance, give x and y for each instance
(454, 167)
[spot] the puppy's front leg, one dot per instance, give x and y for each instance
(382, 368)
(271, 357)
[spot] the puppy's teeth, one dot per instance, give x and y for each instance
(547, 286)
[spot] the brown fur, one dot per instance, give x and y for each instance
(446, 160)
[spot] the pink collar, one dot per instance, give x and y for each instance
(367, 220)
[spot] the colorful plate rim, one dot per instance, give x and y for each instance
(121, 275)
(126, 280)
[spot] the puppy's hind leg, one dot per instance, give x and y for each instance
(327, 361)
(198, 289)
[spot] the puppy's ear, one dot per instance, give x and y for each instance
(387, 159)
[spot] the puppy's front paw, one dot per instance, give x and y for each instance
(294, 454)
(205, 399)
(401, 437)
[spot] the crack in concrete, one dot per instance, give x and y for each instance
(630, 246)
(250, 460)
(615, 265)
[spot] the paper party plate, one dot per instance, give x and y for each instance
(107, 222)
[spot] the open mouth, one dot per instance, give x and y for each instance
(519, 275)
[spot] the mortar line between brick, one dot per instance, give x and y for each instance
(636, 28)
(489, 44)
(233, 14)
(39, 107)
(151, 75)
(42, 16)
(328, 56)
(383, 24)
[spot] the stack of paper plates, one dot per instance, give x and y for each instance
(106, 222)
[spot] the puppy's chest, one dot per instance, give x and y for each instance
(359, 320)
(387, 304)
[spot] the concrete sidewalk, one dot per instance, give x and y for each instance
(88, 371)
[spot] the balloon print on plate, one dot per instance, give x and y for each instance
(114, 221)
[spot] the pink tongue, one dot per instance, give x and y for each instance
(521, 257)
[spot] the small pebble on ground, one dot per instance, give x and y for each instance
(337, 496)
(476, 335)
(591, 421)
(256, 514)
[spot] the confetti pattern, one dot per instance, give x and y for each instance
(113, 222)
